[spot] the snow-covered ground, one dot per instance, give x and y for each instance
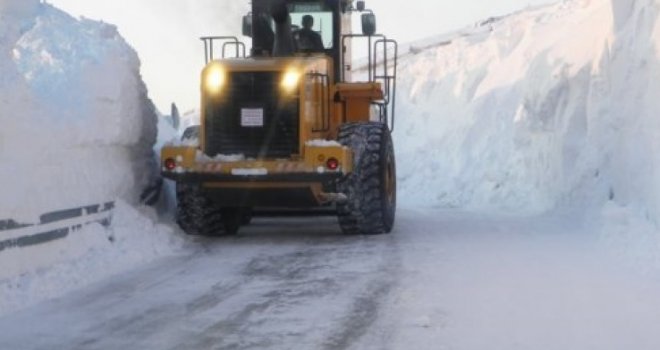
(442, 280)
(471, 281)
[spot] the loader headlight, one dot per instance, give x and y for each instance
(215, 79)
(290, 80)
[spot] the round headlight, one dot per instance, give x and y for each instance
(215, 80)
(290, 80)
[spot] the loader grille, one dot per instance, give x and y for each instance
(277, 137)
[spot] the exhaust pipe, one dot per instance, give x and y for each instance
(283, 45)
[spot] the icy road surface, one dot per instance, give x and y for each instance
(443, 280)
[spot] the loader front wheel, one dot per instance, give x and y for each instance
(371, 187)
(196, 213)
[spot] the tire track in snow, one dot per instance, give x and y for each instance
(298, 286)
(286, 283)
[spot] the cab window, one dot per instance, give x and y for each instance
(321, 17)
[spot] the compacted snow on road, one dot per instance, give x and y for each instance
(442, 280)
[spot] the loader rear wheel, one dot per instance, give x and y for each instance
(371, 187)
(196, 213)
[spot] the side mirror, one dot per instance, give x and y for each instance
(361, 6)
(247, 25)
(368, 24)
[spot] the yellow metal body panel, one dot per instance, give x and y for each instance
(311, 98)
(318, 156)
(188, 161)
(356, 100)
(324, 107)
(184, 156)
(337, 103)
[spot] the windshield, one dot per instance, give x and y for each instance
(321, 21)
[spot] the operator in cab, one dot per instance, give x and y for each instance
(306, 39)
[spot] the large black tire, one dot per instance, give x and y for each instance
(371, 187)
(196, 213)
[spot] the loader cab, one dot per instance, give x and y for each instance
(331, 21)
(271, 26)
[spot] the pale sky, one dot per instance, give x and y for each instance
(166, 33)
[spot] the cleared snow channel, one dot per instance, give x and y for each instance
(551, 110)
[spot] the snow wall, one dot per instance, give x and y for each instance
(76, 137)
(552, 108)
(549, 107)
(75, 113)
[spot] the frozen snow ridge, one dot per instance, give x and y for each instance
(554, 108)
(547, 108)
(77, 128)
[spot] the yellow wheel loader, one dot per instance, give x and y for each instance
(294, 124)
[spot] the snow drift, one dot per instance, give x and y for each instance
(76, 131)
(77, 127)
(548, 108)
(554, 108)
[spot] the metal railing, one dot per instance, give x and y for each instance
(387, 78)
(382, 68)
(324, 86)
(227, 42)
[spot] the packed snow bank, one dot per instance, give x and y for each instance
(76, 137)
(77, 126)
(500, 112)
(631, 168)
(86, 256)
(546, 107)
(551, 108)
